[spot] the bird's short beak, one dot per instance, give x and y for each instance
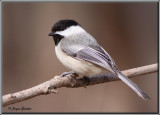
(51, 34)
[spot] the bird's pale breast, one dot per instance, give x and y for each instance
(81, 67)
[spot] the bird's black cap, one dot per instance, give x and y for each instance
(62, 25)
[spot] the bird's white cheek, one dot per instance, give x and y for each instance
(71, 31)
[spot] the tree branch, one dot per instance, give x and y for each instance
(58, 82)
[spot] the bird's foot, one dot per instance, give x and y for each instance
(70, 74)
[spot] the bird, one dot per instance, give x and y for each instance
(79, 52)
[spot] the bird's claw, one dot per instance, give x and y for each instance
(69, 74)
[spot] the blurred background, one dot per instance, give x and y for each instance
(127, 31)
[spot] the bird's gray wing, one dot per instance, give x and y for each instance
(99, 56)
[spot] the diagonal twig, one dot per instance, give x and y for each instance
(58, 82)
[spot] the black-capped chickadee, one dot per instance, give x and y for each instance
(78, 51)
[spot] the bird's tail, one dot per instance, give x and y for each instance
(132, 85)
